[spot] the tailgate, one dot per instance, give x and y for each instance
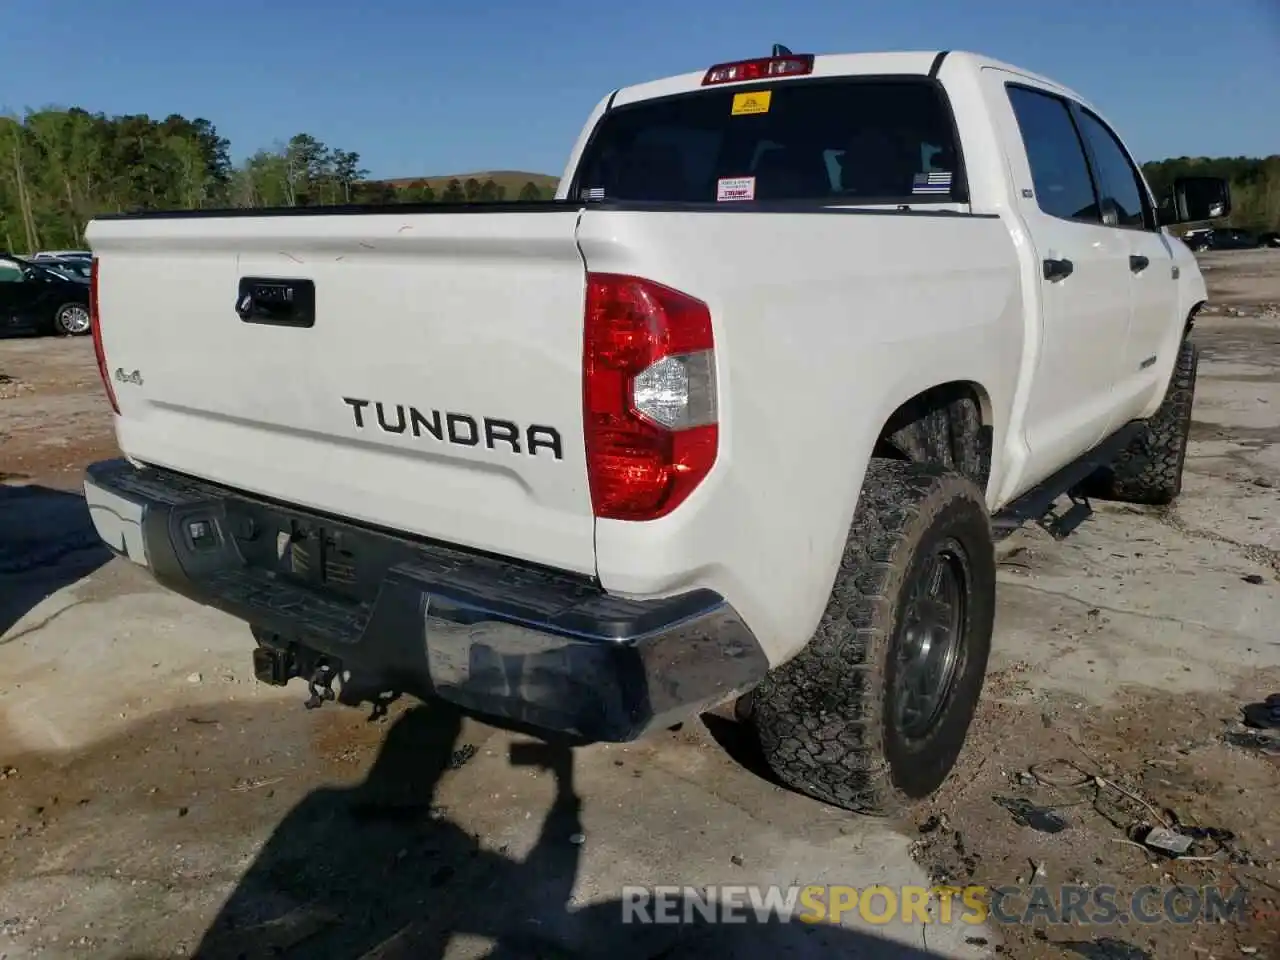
(420, 372)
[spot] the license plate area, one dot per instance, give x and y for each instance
(310, 551)
(317, 555)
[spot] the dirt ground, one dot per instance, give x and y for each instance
(156, 802)
(1124, 656)
(53, 416)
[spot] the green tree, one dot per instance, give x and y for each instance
(530, 191)
(264, 180)
(308, 165)
(375, 192)
(418, 192)
(15, 157)
(471, 189)
(211, 152)
(347, 172)
(453, 192)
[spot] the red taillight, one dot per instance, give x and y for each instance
(96, 326)
(764, 68)
(649, 392)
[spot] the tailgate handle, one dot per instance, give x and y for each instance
(277, 301)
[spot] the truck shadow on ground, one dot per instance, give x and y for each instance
(321, 887)
(47, 542)
(741, 745)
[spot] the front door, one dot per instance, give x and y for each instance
(1153, 285)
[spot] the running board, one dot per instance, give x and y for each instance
(1037, 503)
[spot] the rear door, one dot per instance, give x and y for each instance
(421, 372)
(1153, 285)
(1084, 273)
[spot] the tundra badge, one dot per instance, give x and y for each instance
(460, 429)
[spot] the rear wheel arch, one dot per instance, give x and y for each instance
(949, 424)
(829, 720)
(825, 717)
(1191, 317)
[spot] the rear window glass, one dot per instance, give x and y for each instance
(846, 141)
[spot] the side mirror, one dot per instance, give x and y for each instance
(1196, 199)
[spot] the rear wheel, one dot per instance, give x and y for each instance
(872, 714)
(72, 320)
(1149, 470)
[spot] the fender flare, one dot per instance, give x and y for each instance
(1191, 317)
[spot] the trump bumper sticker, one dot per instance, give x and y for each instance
(736, 188)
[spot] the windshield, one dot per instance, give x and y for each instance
(859, 140)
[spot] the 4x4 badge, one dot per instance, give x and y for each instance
(134, 378)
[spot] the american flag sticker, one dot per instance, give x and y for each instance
(936, 181)
(593, 193)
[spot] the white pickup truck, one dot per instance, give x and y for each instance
(735, 419)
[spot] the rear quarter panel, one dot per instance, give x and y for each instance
(1192, 294)
(824, 323)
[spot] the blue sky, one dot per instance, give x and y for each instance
(418, 87)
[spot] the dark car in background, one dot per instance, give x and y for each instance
(74, 267)
(37, 299)
(1222, 238)
(1269, 239)
(1229, 238)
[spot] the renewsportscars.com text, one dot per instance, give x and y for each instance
(971, 905)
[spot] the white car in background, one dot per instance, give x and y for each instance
(62, 254)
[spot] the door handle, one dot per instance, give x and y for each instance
(1058, 269)
(1138, 264)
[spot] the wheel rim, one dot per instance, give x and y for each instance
(74, 319)
(930, 640)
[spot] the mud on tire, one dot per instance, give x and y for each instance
(1149, 470)
(831, 721)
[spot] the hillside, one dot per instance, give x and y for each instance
(512, 181)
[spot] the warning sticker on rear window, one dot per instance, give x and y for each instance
(736, 188)
(747, 103)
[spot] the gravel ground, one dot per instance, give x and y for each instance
(156, 802)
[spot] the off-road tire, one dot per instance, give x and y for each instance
(1149, 470)
(825, 719)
